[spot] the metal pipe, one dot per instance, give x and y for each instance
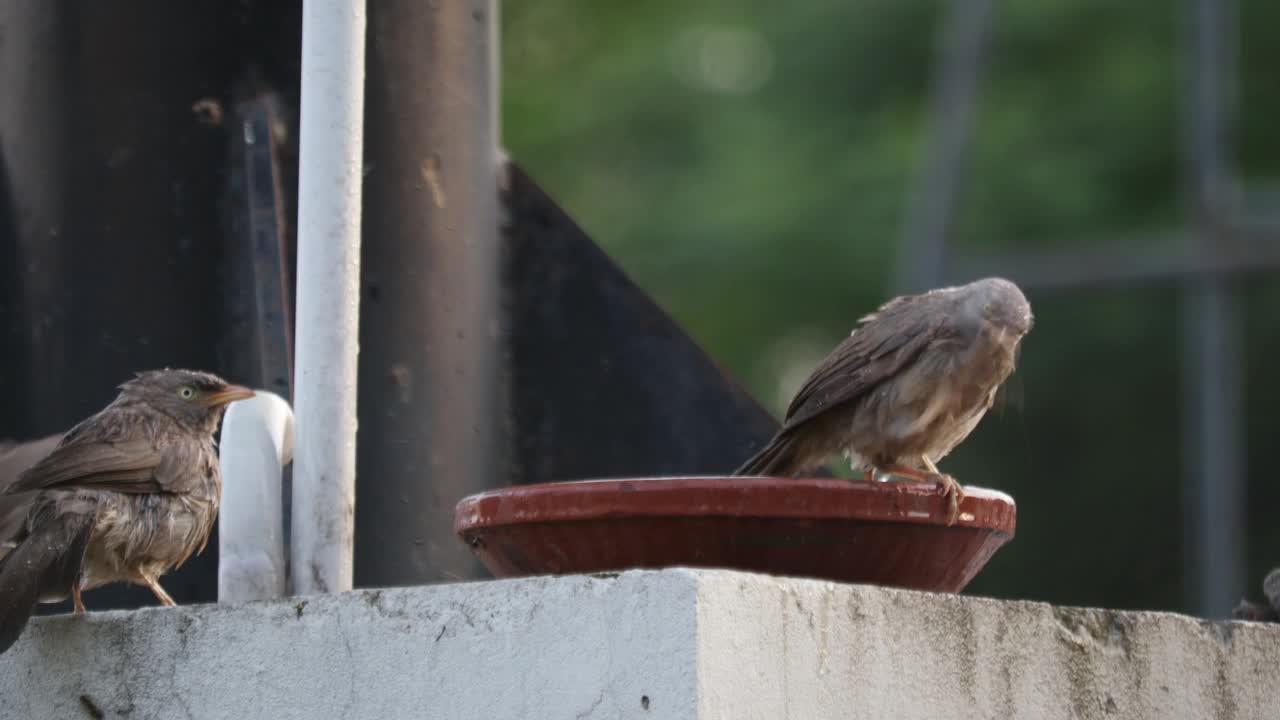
(256, 444)
(432, 424)
(1213, 394)
(329, 196)
(1214, 458)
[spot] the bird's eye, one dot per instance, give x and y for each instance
(186, 392)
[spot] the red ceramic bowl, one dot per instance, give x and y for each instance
(887, 533)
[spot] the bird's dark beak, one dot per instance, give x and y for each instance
(229, 394)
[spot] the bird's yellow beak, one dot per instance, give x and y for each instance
(229, 394)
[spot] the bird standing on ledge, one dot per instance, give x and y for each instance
(906, 387)
(126, 496)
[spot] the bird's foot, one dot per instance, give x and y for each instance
(159, 592)
(949, 489)
(77, 600)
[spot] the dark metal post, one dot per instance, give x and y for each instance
(1213, 489)
(431, 401)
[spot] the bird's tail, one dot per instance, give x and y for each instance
(46, 562)
(776, 458)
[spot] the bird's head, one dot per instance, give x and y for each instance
(194, 398)
(1001, 305)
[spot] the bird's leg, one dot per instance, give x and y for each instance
(947, 485)
(76, 599)
(159, 592)
(909, 473)
(948, 488)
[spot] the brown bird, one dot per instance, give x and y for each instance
(126, 496)
(906, 387)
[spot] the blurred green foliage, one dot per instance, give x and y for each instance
(748, 164)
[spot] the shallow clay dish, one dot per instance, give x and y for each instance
(887, 533)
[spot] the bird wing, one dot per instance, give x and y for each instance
(886, 342)
(14, 508)
(128, 466)
(16, 457)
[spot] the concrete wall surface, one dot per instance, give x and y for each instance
(654, 645)
(781, 648)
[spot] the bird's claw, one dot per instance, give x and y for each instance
(947, 486)
(951, 490)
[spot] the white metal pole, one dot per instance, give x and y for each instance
(331, 157)
(256, 444)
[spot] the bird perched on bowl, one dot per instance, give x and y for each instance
(908, 385)
(126, 496)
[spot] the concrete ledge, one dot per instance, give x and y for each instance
(669, 644)
(775, 648)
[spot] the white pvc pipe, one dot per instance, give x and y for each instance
(256, 444)
(330, 173)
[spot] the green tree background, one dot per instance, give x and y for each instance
(748, 164)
